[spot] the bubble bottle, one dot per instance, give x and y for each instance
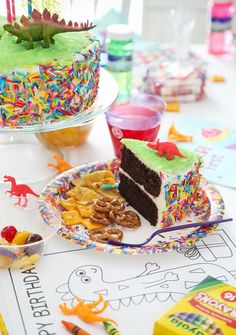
(220, 35)
(119, 48)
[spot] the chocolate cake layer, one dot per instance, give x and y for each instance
(149, 179)
(138, 199)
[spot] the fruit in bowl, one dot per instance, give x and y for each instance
(22, 245)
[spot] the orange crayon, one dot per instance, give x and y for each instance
(73, 329)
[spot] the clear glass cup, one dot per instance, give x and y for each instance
(139, 119)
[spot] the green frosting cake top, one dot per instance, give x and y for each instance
(15, 56)
(151, 159)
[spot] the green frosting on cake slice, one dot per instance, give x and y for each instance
(150, 158)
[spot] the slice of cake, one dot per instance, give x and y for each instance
(49, 70)
(159, 180)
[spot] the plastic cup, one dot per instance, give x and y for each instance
(139, 119)
(22, 254)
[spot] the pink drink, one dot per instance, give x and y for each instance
(130, 121)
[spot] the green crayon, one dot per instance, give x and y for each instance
(110, 329)
(198, 320)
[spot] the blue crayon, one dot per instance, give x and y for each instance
(191, 317)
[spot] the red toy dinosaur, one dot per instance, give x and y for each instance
(166, 148)
(19, 190)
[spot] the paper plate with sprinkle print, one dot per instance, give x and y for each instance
(209, 206)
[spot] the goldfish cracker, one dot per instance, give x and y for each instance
(109, 193)
(90, 225)
(98, 178)
(71, 193)
(81, 198)
(76, 182)
(85, 195)
(68, 204)
(85, 211)
(71, 217)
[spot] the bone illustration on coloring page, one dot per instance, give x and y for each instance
(88, 281)
(215, 246)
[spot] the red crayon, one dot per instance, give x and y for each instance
(73, 329)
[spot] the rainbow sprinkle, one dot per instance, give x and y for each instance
(181, 196)
(50, 92)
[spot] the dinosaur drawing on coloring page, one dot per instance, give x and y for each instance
(88, 281)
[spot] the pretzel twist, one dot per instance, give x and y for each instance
(100, 218)
(127, 219)
(102, 235)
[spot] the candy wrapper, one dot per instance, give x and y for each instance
(174, 79)
(175, 73)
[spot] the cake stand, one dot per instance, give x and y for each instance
(26, 158)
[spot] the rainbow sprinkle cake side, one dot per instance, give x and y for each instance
(41, 86)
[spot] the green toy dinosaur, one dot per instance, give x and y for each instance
(42, 27)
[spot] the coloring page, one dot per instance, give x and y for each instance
(131, 285)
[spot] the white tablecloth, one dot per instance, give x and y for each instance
(134, 311)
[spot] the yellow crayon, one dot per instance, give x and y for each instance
(173, 106)
(218, 78)
(3, 328)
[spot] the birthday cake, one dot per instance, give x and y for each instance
(45, 74)
(160, 180)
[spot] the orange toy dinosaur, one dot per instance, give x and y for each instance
(166, 148)
(61, 164)
(85, 311)
(19, 190)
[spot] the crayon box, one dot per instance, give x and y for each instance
(209, 309)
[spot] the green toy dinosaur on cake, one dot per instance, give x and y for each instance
(42, 27)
